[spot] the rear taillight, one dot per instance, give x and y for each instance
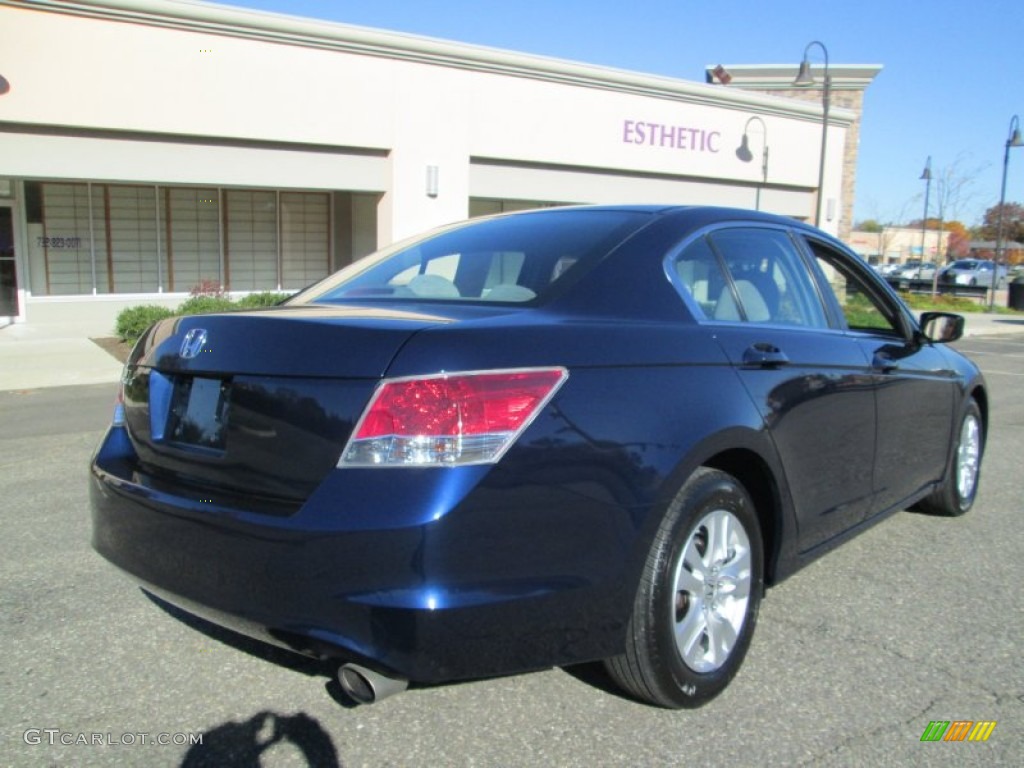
(449, 419)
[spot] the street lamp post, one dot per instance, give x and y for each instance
(743, 153)
(1013, 140)
(926, 175)
(940, 251)
(805, 78)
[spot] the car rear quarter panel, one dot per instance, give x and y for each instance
(579, 497)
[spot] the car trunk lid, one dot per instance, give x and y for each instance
(252, 409)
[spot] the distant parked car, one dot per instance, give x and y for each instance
(885, 270)
(915, 270)
(974, 272)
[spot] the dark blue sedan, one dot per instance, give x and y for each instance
(537, 439)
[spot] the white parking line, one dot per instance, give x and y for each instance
(980, 352)
(1014, 339)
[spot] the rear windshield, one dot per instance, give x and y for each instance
(516, 259)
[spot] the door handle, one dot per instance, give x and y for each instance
(764, 355)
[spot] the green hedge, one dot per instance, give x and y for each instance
(258, 300)
(132, 322)
(204, 305)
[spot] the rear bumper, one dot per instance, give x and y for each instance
(448, 576)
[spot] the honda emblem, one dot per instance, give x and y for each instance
(193, 343)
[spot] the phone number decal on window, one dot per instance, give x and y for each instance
(59, 242)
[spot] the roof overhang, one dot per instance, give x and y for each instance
(855, 77)
(277, 28)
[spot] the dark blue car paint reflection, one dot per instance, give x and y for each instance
(436, 573)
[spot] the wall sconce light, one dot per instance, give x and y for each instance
(744, 154)
(432, 172)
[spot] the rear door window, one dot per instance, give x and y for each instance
(752, 275)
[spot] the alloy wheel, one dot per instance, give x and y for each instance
(968, 457)
(711, 590)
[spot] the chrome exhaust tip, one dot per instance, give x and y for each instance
(366, 686)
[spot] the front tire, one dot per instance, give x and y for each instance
(960, 486)
(696, 607)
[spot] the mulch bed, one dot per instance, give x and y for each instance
(114, 346)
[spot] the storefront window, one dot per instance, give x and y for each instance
(120, 238)
(250, 240)
(127, 247)
(481, 206)
(192, 222)
(305, 238)
(61, 242)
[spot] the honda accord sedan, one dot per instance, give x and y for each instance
(534, 440)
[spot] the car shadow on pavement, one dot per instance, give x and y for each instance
(595, 675)
(244, 743)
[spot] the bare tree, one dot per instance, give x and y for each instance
(954, 188)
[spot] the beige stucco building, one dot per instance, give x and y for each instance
(898, 245)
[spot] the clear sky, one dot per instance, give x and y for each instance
(953, 72)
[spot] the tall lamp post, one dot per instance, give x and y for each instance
(805, 78)
(743, 153)
(1013, 140)
(926, 174)
(940, 243)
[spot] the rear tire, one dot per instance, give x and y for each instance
(696, 607)
(956, 494)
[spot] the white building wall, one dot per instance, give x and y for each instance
(187, 93)
(151, 79)
(587, 127)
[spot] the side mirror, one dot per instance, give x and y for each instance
(942, 327)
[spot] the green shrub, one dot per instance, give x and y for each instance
(264, 299)
(132, 322)
(201, 305)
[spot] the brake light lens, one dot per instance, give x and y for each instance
(449, 419)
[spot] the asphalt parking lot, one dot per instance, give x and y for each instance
(920, 619)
